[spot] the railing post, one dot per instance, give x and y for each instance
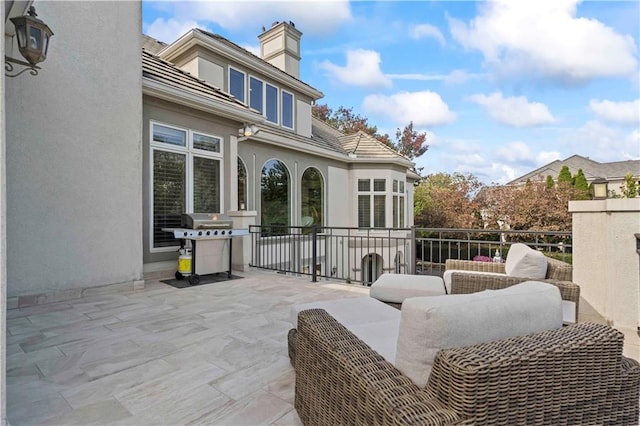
(314, 253)
(414, 255)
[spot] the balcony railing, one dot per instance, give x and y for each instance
(363, 254)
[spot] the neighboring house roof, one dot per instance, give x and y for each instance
(592, 169)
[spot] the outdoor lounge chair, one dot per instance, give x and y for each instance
(465, 276)
(570, 375)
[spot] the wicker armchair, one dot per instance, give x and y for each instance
(572, 375)
(558, 273)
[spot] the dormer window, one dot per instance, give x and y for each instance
(255, 94)
(287, 109)
(236, 84)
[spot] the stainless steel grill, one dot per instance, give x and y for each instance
(213, 233)
(205, 221)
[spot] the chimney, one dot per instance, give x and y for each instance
(280, 46)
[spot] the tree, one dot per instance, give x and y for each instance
(345, 120)
(410, 143)
(533, 206)
(444, 200)
(564, 177)
(550, 182)
(630, 188)
(581, 186)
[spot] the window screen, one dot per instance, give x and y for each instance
(378, 211)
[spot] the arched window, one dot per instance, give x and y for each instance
(275, 207)
(242, 185)
(312, 188)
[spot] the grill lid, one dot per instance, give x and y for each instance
(205, 221)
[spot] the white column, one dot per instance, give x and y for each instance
(233, 173)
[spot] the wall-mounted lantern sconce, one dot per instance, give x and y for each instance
(33, 42)
(599, 188)
(248, 130)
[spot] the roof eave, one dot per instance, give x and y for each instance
(183, 97)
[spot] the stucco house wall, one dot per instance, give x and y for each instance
(74, 154)
(605, 262)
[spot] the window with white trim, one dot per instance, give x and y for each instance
(186, 177)
(398, 203)
(371, 203)
(236, 84)
(287, 109)
(256, 94)
(271, 103)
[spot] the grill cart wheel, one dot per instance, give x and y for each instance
(194, 279)
(179, 276)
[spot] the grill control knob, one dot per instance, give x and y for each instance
(208, 232)
(222, 232)
(215, 232)
(199, 233)
(186, 233)
(230, 231)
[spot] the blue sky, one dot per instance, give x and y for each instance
(500, 87)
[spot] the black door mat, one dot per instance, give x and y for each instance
(204, 279)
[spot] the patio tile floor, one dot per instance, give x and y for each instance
(211, 354)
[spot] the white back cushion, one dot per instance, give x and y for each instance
(429, 324)
(523, 261)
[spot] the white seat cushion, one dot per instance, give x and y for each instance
(372, 321)
(429, 324)
(397, 287)
(523, 261)
(350, 311)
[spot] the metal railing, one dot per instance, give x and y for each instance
(363, 254)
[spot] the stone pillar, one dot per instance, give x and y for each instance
(242, 245)
(605, 262)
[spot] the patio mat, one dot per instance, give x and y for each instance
(204, 279)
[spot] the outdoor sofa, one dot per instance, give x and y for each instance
(572, 374)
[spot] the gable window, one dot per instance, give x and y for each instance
(236, 84)
(271, 101)
(275, 207)
(186, 176)
(398, 203)
(255, 94)
(287, 109)
(312, 188)
(371, 204)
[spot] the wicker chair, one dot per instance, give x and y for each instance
(572, 375)
(558, 273)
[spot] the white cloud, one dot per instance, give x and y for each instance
(427, 30)
(362, 69)
(514, 111)
(169, 30)
(423, 108)
(616, 112)
(545, 38)
(514, 152)
(454, 77)
(311, 17)
(606, 143)
(546, 157)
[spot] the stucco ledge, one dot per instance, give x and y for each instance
(608, 205)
